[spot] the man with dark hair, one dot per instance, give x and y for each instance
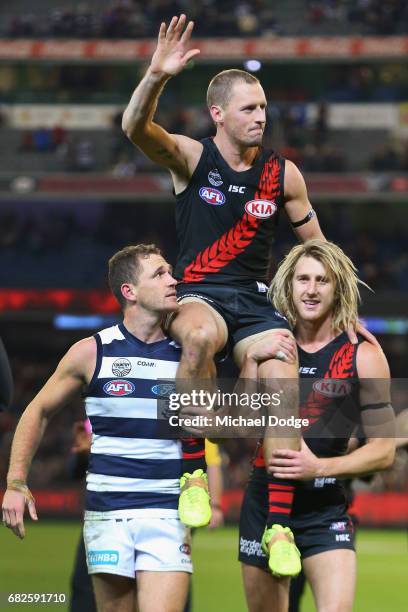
(132, 529)
(229, 192)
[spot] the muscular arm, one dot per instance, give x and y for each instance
(71, 376)
(297, 204)
(177, 153)
(378, 422)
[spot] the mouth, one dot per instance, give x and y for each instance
(311, 304)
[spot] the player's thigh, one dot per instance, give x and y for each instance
(264, 592)
(272, 367)
(162, 591)
(114, 593)
(332, 577)
(197, 315)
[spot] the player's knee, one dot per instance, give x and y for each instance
(336, 606)
(199, 340)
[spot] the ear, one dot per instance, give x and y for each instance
(129, 292)
(217, 114)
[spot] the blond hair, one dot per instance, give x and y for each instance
(337, 265)
(220, 88)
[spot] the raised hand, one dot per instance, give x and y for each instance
(171, 54)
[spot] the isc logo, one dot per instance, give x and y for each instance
(237, 188)
(261, 209)
(332, 388)
(212, 196)
(307, 370)
(119, 387)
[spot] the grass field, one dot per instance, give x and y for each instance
(42, 564)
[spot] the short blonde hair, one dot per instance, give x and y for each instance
(339, 267)
(219, 90)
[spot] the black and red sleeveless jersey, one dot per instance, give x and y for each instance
(226, 219)
(329, 397)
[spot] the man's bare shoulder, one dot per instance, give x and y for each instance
(294, 181)
(191, 150)
(80, 359)
(371, 361)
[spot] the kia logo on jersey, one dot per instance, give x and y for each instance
(212, 196)
(261, 209)
(332, 388)
(119, 387)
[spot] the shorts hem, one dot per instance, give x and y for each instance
(114, 573)
(165, 569)
(322, 549)
(254, 563)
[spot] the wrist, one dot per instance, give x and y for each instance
(16, 481)
(157, 75)
(323, 468)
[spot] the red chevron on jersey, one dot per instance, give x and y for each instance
(341, 366)
(234, 242)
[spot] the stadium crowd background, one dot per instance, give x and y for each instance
(63, 241)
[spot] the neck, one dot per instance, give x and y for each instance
(239, 157)
(146, 326)
(314, 334)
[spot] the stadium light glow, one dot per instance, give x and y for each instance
(252, 65)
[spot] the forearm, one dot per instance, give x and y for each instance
(371, 457)
(215, 484)
(27, 437)
(142, 105)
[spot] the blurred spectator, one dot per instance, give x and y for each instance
(42, 139)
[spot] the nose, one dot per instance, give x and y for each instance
(311, 287)
(260, 115)
(172, 282)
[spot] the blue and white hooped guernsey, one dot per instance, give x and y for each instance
(134, 466)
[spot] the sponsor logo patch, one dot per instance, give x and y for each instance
(261, 209)
(319, 483)
(185, 549)
(121, 367)
(332, 388)
(119, 387)
(164, 389)
(212, 196)
(262, 287)
(215, 177)
(250, 548)
(338, 526)
(103, 557)
(237, 188)
(307, 370)
(342, 537)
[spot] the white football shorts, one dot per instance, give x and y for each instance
(124, 546)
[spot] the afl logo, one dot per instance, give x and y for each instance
(121, 367)
(332, 388)
(215, 177)
(212, 196)
(119, 388)
(261, 209)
